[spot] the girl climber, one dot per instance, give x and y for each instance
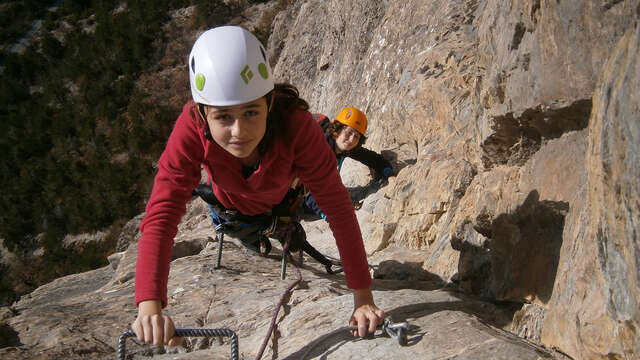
(346, 136)
(253, 138)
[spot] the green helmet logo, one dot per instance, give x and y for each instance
(199, 81)
(262, 69)
(246, 74)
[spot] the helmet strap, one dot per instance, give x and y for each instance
(201, 111)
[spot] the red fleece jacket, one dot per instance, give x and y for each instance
(305, 156)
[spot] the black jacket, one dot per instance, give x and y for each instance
(368, 157)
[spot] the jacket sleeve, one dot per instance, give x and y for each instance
(373, 160)
(316, 165)
(178, 174)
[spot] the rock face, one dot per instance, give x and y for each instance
(604, 265)
(514, 130)
(514, 127)
(80, 316)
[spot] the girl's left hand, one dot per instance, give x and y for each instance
(367, 318)
(366, 315)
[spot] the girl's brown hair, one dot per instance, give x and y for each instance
(283, 100)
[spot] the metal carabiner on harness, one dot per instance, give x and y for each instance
(288, 231)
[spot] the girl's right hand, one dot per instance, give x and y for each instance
(152, 327)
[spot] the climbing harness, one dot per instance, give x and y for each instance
(265, 247)
(263, 226)
(121, 354)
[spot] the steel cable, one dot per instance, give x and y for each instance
(121, 354)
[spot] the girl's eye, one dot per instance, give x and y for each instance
(350, 134)
(251, 113)
(223, 118)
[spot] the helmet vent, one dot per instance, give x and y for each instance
(193, 64)
(264, 57)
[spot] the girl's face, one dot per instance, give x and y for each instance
(347, 139)
(239, 128)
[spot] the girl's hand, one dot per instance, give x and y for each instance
(366, 315)
(152, 327)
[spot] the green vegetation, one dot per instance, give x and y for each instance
(16, 18)
(78, 138)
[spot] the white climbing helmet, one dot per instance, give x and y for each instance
(228, 66)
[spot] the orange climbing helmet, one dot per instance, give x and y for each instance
(353, 117)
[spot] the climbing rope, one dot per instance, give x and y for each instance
(287, 293)
(121, 354)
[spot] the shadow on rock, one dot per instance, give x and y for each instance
(359, 193)
(513, 256)
(395, 275)
(398, 165)
(8, 336)
(326, 344)
(494, 314)
(329, 343)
